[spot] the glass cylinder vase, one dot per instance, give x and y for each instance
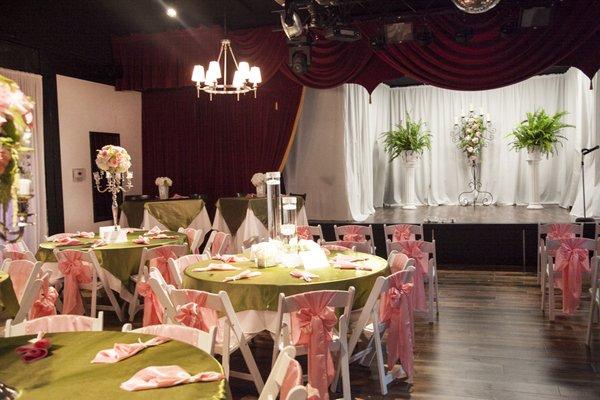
(163, 192)
(289, 218)
(273, 181)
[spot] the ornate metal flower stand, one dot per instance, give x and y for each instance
(475, 195)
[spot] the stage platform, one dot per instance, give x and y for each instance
(497, 237)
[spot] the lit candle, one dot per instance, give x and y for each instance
(129, 175)
(24, 187)
(487, 117)
(471, 107)
(455, 120)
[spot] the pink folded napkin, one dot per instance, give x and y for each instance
(228, 258)
(83, 234)
(67, 241)
(163, 236)
(242, 275)
(178, 196)
(307, 276)
(130, 230)
(121, 351)
(35, 350)
(166, 376)
(351, 265)
(141, 240)
(154, 231)
(217, 267)
(335, 247)
(98, 243)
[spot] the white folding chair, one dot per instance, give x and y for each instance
(147, 256)
(361, 247)
(543, 230)
(21, 273)
(218, 243)
(194, 236)
(373, 329)
(594, 312)
(178, 266)
(366, 231)
(549, 275)
(19, 245)
(315, 231)
(55, 324)
(339, 344)
(203, 340)
(98, 284)
(431, 280)
(233, 337)
(416, 232)
(18, 255)
(278, 376)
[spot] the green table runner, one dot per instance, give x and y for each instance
(175, 214)
(262, 292)
(67, 373)
(120, 259)
(233, 210)
(134, 210)
(8, 300)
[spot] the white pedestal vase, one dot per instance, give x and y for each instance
(163, 192)
(533, 159)
(409, 158)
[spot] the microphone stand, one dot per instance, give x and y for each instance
(584, 152)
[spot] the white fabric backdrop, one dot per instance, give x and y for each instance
(443, 172)
(31, 85)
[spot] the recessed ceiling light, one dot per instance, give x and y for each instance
(171, 12)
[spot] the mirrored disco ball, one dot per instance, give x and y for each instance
(475, 6)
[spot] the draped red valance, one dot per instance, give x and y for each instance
(166, 60)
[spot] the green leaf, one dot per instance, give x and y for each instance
(409, 135)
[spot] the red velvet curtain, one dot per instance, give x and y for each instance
(214, 148)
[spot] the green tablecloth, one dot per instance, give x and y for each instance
(175, 214)
(233, 210)
(172, 213)
(262, 292)
(8, 300)
(67, 373)
(120, 259)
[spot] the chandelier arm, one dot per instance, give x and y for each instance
(233, 56)
(225, 65)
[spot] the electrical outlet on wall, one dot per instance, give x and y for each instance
(78, 174)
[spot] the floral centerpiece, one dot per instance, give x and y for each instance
(163, 183)
(16, 120)
(259, 181)
(114, 163)
(471, 135)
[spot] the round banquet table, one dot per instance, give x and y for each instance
(67, 372)
(255, 299)
(8, 300)
(120, 259)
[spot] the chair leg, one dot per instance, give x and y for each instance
(430, 298)
(114, 303)
(225, 351)
(133, 305)
(251, 364)
(588, 334)
(551, 301)
(437, 294)
(345, 362)
(380, 364)
(543, 306)
(94, 303)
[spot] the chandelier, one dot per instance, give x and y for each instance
(475, 6)
(214, 79)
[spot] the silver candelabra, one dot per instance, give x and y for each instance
(115, 183)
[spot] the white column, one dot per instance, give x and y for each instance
(410, 162)
(533, 160)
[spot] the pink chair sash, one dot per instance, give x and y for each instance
(219, 244)
(352, 233)
(191, 235)
(398, 263)
(401, 233)
(292, 378)
(397, 313)
(153, 311)
(560, 231)
(162, 262)
(59, 323)
(412, 249)
(15, 255)
(166, 376)
(571, 260)
(194, 313)
(303, 232)
(19, 272)
(312, 325)
(76, 272)
(45, 304)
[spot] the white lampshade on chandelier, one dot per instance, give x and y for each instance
(213, 80)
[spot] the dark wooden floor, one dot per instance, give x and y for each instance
(467, 215)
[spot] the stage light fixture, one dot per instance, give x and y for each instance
(299, 58)
(464, 36)
(171, 12)
(294, 29)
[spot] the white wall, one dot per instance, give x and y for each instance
(85, 106)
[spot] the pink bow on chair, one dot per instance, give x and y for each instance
(412, 249)
(194, 313)
(45, 304)
(572, 260)
(76, 272)
(153, 311)
(402, 233)
(396, 312)
(162, 263)
(560, 231)
(190, 233)
(313, 326)
(303, 232)
(352, 234)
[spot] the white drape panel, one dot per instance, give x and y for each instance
(31, 85)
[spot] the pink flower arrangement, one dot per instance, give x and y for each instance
(113, 159)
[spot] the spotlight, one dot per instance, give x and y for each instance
(299, 58)
(171, 12)
(294, 29)
(464, 36)
(508, 30)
